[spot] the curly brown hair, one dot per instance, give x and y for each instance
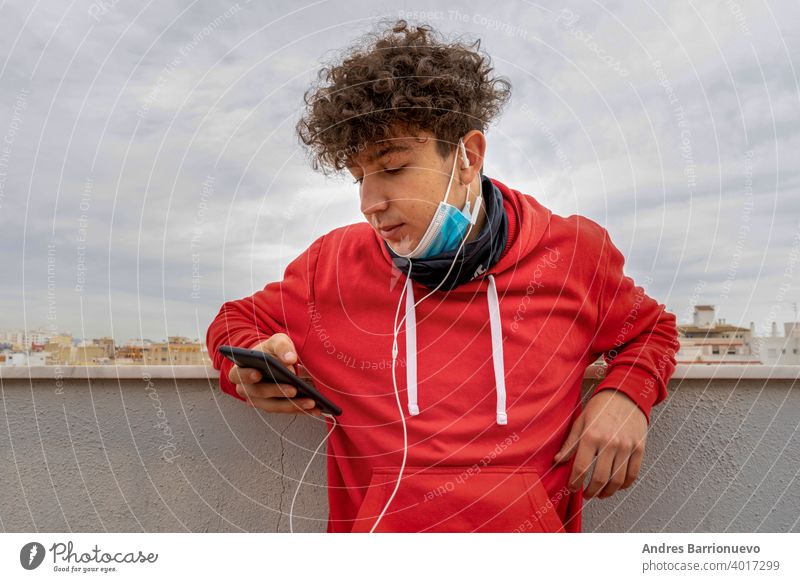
(403, 79)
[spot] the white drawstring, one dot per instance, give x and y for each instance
(411, 348)
(497, 351)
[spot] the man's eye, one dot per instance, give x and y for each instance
(387, 170)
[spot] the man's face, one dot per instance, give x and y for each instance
(402, 181)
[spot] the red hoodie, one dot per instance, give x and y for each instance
(489, 374)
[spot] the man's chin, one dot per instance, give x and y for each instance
(403, 246)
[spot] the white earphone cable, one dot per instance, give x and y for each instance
(394, 359)
(303, 476)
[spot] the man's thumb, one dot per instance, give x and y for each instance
(288, 357)
(568, 448)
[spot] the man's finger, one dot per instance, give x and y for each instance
(569, 446)
(583, 461)
(282, 347)
(602, 471)
(284, 405)
(617, 476)
(239, 375)
(270, 390)
(634, 464)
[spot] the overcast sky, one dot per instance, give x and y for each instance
(142, 146)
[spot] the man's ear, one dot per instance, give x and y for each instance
(475, 146)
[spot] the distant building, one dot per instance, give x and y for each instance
(130, 355)
(63, 350)
(26, 359)
(707, 341)
(57, 353)
(22, 341)
(107, 344)
(62, 339)
(88, 355)
(783, 350)
(176, 351)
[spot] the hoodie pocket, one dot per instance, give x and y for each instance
(458, 499)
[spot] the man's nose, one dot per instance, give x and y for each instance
(373, 199)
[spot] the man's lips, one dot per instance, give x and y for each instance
(391, 231)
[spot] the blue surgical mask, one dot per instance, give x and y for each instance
(449, 225)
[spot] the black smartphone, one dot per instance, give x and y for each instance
(273, 371)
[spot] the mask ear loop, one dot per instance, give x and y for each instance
(461, 149)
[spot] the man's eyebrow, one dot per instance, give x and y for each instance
(388, 149)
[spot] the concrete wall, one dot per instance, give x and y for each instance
(92, 451)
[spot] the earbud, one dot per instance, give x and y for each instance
(464, 158)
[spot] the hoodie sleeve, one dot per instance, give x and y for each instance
(636, 336)
(280, 307)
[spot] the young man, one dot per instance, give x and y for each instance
(454, 326)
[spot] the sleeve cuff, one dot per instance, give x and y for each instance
(639, 385)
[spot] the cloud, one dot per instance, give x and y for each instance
(673, 125)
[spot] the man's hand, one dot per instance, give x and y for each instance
(614, 429)
(274, 397)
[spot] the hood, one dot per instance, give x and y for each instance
(528, 221)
